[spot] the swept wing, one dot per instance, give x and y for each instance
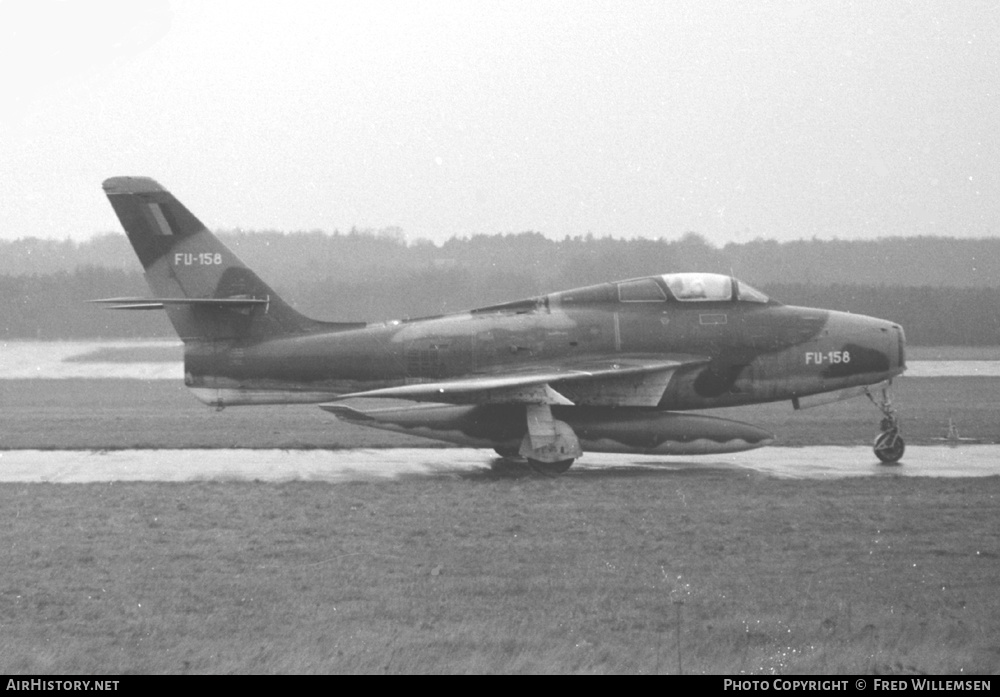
(622, 380)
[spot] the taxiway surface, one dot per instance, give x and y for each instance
(826, 462)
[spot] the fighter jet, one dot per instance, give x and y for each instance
(616, 367)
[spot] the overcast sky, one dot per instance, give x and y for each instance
(626, 118)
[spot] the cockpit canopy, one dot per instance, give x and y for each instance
(672, 287)
(699, 287)
(710, 287)
(680, 287)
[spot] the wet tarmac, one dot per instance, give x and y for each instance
(55, 360)
(827, 462)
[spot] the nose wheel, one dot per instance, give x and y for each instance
(889, 445)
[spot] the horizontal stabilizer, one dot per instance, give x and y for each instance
(159, 303)
(137, 306)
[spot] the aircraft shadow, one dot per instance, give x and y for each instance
(501, 468)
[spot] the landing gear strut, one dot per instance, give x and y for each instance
(889, 445)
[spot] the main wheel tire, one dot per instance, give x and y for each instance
(550, 469)
(889, 447)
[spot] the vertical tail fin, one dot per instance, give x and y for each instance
(182, 259)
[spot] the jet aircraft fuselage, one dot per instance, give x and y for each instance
(737, 348)
(614, 367)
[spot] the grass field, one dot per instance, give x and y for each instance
(484, 574)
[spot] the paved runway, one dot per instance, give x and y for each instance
(827, 462)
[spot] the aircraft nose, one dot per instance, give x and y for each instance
(900, 347)
(867, 345)
(895, 344)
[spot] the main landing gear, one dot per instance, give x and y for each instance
(889, 445)
(549, 446)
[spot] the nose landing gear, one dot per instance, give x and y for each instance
(889, 445)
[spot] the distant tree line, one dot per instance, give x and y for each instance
(54, 306)
(318, 256)
(942, 291)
